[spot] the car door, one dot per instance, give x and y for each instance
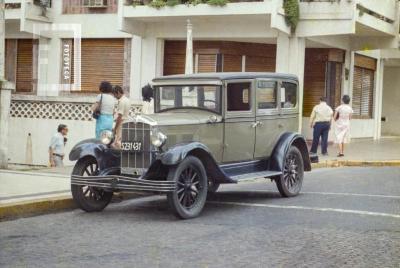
(239, 127)
(268, 128)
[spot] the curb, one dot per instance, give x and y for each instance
(49, 205)
(355, 163)
(36, 207)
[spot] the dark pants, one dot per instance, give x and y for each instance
(321, 130)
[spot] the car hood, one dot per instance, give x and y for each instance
(183, 117)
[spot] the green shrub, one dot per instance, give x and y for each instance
(292, 13)
(158, 3)
(172, 3)
(219, 3)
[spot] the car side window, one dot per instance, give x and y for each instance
(266, 94)
(239, 96)
(288, 95)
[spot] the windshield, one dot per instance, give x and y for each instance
(206, 97)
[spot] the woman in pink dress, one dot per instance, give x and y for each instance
(342, 117)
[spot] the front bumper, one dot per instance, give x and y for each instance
(123, 183)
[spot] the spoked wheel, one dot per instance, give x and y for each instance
(290, 182)
(89, 198)
(189, 197)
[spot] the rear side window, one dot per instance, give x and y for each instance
(239, 96)
(266, 95)
(288, 95)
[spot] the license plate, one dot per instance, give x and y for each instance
(131, 146)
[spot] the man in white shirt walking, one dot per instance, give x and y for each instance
(122, 114)
(57, 146)
(320, 120)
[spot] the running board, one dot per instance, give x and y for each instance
(256, 175)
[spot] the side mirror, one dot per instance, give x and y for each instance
(147, 93)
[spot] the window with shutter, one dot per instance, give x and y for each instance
(101, 60)
(232, 63)
(207, 63)
(363, 89)
(24, 79)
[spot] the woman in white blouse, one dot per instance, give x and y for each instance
(105, 103)
(342, 117)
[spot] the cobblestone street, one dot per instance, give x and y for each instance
(345, 217)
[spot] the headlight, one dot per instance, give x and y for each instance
(106, 137)
(158, 138)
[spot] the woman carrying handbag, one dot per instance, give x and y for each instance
(103, 108)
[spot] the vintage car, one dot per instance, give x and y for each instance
(207, 129)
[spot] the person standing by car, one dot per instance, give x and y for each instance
(342, 118)
(122, 114)
(57, 146)
(103, 108)
(320, 121)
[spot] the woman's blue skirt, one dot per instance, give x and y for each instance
(104, 122)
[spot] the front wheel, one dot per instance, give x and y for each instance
(89, 199)
(189, 197)
(290, 182)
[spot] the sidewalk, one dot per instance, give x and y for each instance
(363, 152)
(34, 190)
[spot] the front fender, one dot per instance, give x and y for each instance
(105, 156)
(177, 153)
(286, 140)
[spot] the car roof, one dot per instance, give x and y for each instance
(225, 76)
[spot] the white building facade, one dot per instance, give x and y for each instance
(339, 47)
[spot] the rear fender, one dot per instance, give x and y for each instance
(106, 157)
(286, 140)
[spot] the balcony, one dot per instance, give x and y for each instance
(26, 15)
(359, 17)
(216, 18)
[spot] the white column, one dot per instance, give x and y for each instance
(290, 58)
(346, 83)
(378, 99)
(136, 70)
(5, 95)
(189, 49)
(147, 63)
(282, 50)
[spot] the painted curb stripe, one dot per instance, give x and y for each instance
(356, 212)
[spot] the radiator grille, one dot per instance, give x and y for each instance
(136, 163)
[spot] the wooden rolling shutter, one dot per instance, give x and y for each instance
(102, 59)
(174, 57)
(259, 64)
(314, 78)
(232, 63)
(207, 63)
(363, 85)
(24, 70)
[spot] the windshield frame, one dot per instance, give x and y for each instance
(157, 98)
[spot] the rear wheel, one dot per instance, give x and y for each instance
(189, 197)
(89, 199)
(290, 182)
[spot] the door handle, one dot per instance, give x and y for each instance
(256, 124)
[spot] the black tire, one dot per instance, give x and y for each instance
(189, 197)
(290, 182)
(89, 199)
(212, 186)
